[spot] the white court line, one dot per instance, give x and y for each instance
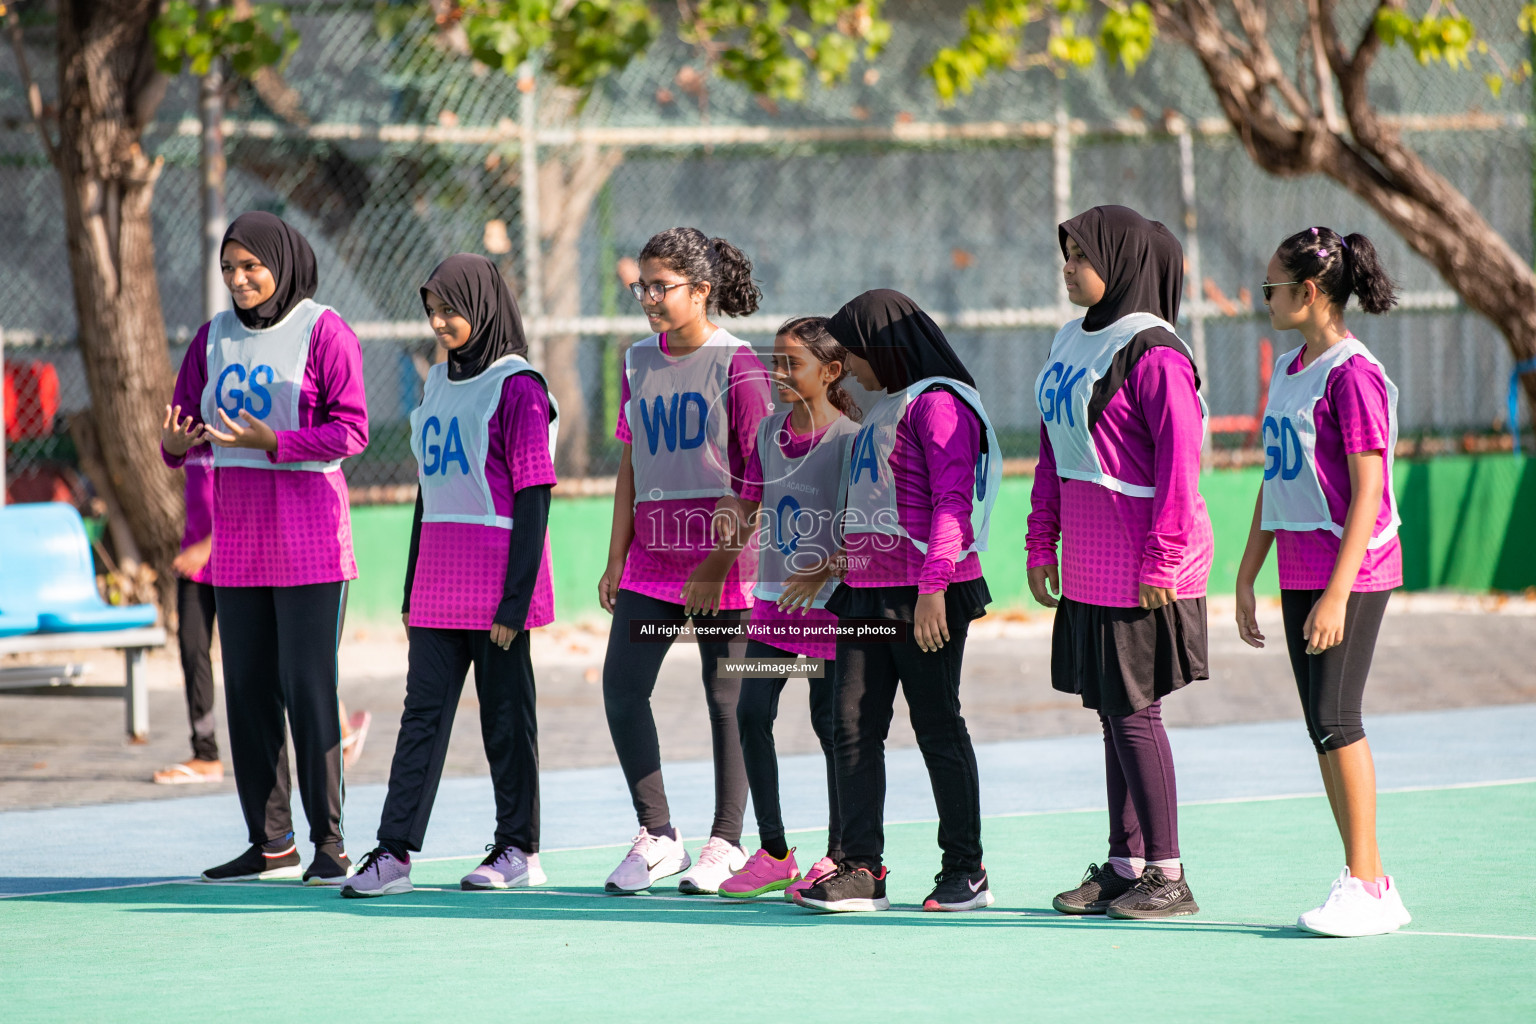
(919, 821)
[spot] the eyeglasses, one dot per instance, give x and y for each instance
(1269, 289)
(655, 290)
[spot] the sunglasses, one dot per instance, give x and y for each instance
(655, 290)
(1269, 289)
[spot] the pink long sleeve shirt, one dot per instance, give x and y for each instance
(1149, 435)
(933, 467)
(1350, 418)
(673, 535)
(199, 494)
(461, 568)
(288, 528)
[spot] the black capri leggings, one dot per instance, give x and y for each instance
(1332, 684)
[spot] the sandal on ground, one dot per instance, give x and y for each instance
(352, 745)
(184, 774)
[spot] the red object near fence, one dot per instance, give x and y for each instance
(31, 399)
(1249, 425)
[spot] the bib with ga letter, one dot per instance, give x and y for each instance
(450, 437)
(800, 504)
(871, 493)
(678, 418)
(1293, 494)
(260, 372)
(1078, 360)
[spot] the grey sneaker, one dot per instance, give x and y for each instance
(1101, 886)
(380, 874)
(1155, 895)
(506, 867)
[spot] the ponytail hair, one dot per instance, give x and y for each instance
(687, 251)
(811, 331)
(1340, 266)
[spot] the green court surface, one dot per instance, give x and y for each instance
(196, 952)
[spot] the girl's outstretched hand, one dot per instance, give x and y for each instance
(1045, 584)
(252, 433)
(1248, 617)
(177, 436)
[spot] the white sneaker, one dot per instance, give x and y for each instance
(1394, 899)
(649, 859)
(718, 861)
(1350, 911)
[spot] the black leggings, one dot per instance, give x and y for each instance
(280, 657)
(194, 635)
(755, 714)
(629, 677)
(509, 728)
(867, 677)
(1332, 684)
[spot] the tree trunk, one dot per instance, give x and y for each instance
(568, 184)
(108, 89)
(1371, 160)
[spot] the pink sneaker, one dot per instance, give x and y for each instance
(819, 870)
(762, 875)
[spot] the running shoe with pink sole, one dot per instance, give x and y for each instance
(763, 874)
(821, 869)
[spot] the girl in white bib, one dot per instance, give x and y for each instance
(1326, 502)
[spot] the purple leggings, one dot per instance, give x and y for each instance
(1138, 774)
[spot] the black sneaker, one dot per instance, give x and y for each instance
(330, 866)
(264, 862)
(1101, 887)
(959, 890)
(1153, 896)
(846, 889)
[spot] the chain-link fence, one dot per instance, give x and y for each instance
(390, 149)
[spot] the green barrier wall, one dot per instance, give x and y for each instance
(1469, 523)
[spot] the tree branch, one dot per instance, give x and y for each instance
(34, 94)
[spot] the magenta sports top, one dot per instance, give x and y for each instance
(1351, 417)
(199, 492)
(673, 535)
(282, 528)
(767, 613)
(933, 468)
(1149, 435)
(461, 568)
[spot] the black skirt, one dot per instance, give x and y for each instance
(1119, 660)
(963, 601)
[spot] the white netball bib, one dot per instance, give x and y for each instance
(1293, 495)
(871, 493)
(260, 372)
(679, 418)
(1078, 360)
(800, 505)
(451, 436)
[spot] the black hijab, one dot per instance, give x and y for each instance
(1142, 264)
(901, 343)
(473, 286)
(286, 253)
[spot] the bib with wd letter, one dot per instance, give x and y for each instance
(679, 418)
(1293, 495)
(450, 437)
(800, 504)
(1064, 388)
(871, 493)
(260, 372)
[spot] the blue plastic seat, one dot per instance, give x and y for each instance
(47, 577)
